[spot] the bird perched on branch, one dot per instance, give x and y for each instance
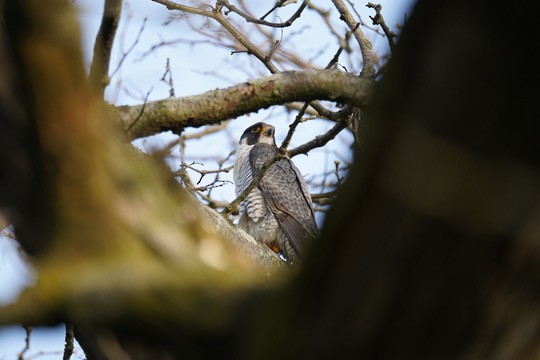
(278, 212)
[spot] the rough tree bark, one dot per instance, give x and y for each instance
(218, 105)
(431, 251)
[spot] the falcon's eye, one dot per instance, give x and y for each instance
(256, 129)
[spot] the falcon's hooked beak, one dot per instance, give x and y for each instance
(267, 131)
(267, 135)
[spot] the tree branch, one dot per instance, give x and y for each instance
(189, 9)
(378, 19)
(69, 339)
(222, 104)
(320, 140)
(104, 43)
(218, 16)
(251, 19)
(365, 45)
(268, 262)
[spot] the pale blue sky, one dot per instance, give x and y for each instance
(188, 64)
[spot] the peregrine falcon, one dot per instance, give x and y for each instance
(278, 212)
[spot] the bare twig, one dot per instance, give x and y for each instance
(69, 341)
(297, 106)
(183, 174)
(189, 9)
(273, 49)
(126, 53)
(279, 3)
(321, 111)
(343, 46)
(167, 78)
(206, 131)
(40, 354)
(325, 16)
(104, 41)
(336, 171)
(203, 173)
(322, 140)
(368, 68)
(197, 135)
(250, 47)
(141, 112)
(190, 186)
(232, 30)
(28, 331)
(379, 20)
(375, 29)
(261, 20)
(306, 105)
(292, 127)
(214, 184)
(164, 43)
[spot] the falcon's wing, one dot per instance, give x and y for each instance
(287, 196)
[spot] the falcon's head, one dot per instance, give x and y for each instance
(258, 133)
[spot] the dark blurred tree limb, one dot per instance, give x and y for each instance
(432, 248)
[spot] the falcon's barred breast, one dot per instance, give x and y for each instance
(278, 212)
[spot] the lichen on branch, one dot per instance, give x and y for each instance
(222, 104)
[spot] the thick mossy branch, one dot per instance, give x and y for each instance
(222, 104)
(120, 227)
(111, 291)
